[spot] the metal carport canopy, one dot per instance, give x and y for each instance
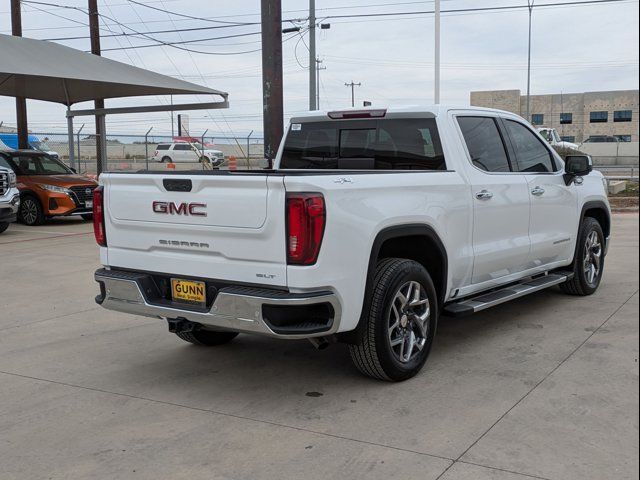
(42, 70)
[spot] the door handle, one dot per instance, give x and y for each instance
(484, 195)
(537, 191)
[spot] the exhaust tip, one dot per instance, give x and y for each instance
(320, 342)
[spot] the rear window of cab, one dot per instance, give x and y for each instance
(384, 144)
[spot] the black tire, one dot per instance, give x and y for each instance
(580, 284)
(374, 356)
(31, 212)
(3, 227)
(87, 216)
(207, 337)
(166, 159)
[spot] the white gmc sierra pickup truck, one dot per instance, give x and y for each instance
(371, 225)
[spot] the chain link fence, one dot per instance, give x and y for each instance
(137, 152)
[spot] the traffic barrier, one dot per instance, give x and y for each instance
(233, 163)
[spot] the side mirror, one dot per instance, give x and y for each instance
(576, 166)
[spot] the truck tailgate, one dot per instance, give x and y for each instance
(235, 230)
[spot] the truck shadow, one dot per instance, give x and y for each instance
(259, 364)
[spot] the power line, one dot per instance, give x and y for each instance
(191, 17)
(475, 9)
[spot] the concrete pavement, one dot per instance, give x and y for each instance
(545, 387)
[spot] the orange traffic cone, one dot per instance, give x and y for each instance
(233, 163)
(171, 166)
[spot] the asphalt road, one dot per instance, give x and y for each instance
(545, 387)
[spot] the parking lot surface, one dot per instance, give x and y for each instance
(544, 387)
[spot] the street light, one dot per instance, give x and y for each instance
(530, 7)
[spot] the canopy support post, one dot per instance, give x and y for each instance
(101, 144)
(72, 149)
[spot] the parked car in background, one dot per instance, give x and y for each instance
(48, 188)
(551, 135)
(602, 139)
(9, 141)
(180, 152)
(9, 197)
(371, 224)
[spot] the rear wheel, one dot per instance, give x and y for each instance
(588, 264)
(401, 322)
(30, 212)
(207, 337)
(3, 227)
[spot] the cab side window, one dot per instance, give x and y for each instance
(533, 156)
(484, 143)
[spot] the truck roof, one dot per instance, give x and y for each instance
(395, 112)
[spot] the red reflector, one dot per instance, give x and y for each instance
(346, 114)
(98, 217)
(305, 227)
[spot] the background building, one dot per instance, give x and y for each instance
(576, 116)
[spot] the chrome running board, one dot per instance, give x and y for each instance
(496, 297)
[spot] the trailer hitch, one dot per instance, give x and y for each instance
(181, 325)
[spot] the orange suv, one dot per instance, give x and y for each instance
(48, 188)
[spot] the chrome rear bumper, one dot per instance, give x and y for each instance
(240, 309)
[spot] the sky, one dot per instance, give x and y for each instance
(574, 49)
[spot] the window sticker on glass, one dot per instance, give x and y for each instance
(296, 127)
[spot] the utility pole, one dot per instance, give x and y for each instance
(272, 101)
(312, 56)
(530, 6)
(318, 68)
(436, 80)
(21, 102)
(353, 93)
(94, 32)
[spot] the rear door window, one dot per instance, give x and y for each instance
(485, 144)
(182, 147)
(388, 144)
(532, 155)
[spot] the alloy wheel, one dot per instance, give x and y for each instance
(29, 211)
(592, 258)
(409, 321)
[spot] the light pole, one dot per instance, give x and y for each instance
(436, 80)
(312, 55)
(530, 7)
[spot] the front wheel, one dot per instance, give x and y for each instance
(3, 227)
(588, 264)
(207, 337)
(400, 324)
(30, 212)
(87, 216)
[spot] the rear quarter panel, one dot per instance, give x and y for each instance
(361, 205)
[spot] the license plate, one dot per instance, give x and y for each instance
(188, 291)
(88, 204)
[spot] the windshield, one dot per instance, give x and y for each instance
(388, 144)
(39, 165)
(42, 146)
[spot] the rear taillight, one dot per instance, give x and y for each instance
(305, 227)
(98, 217)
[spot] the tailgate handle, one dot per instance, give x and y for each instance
(177, 184)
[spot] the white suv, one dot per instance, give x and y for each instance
(182, 152)
(9, 198)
